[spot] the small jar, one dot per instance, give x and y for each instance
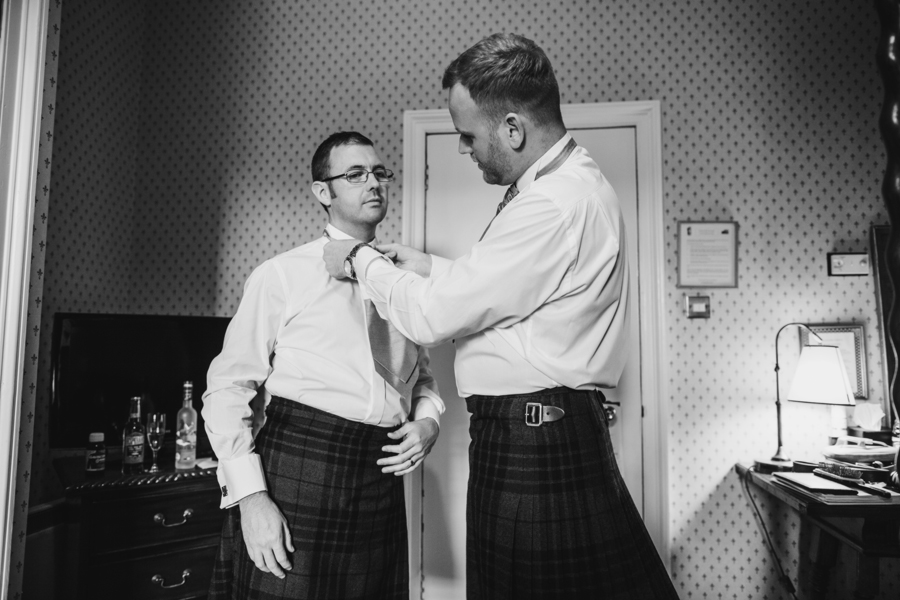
(95, 455)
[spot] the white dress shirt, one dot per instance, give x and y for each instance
(540, 302)
(303, 336)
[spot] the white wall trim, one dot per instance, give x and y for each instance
(413, 234)
(412, 490)
(645, 116)
(22, 55)
(417, 124)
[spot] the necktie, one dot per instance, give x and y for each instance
(395, 356)
(511, 193)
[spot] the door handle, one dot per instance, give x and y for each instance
(611, 412)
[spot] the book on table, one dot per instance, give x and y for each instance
(811, 482)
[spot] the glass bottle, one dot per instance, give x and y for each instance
(133, 440)
(186, 431)
(95, 455)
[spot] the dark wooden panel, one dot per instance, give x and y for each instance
(128, 523)
(133, 579)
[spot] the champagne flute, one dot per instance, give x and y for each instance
(156, 431)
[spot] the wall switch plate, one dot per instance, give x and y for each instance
(696, 307)
(848, 263)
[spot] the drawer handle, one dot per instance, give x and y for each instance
(162, 582)
(161, 520)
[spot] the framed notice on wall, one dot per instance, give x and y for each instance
(707, 254)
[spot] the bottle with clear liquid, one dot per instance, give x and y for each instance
(186, 431)
(133, 440)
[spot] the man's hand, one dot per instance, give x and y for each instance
(418, 438)
(266, 534)
(335, 253)
(406, 258)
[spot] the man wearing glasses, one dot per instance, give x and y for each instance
(350, 406)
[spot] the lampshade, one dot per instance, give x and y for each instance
(821, 378)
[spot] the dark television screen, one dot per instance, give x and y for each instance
(100, 361)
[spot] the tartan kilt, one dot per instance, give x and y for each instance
(548, 514)
(347, 518)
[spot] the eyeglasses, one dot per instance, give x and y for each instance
(362, 175)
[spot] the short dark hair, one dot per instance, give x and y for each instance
(506, 72)
(321, 162)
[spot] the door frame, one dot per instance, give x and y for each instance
(23, 44)
(645, 117)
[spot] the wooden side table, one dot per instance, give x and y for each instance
(143, 537)
(868, 524)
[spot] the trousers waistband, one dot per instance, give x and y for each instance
(285, 408)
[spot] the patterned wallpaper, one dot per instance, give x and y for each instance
(185, 131)
(90, 253)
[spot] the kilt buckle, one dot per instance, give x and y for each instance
(536, 414)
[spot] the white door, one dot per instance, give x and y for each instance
(456, 207)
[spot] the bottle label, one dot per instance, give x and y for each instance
(95, 460)
(133, 449)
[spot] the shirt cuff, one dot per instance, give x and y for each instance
(240, 477)
(426, 407)
(364, 258)
(439, 264)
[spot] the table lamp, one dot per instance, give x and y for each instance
(820, 378)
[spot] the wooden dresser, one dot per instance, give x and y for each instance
(144, 536)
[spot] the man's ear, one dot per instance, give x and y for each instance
(322, 193)
(512, 130)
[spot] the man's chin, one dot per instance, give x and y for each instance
(375, 213)
(490, 178)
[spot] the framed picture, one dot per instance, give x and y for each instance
(707, 254)
(850, 338)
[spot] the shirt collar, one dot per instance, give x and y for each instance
(336, 234)
(527, 177)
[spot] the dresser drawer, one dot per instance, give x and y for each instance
(150, 519)
(144, 578)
